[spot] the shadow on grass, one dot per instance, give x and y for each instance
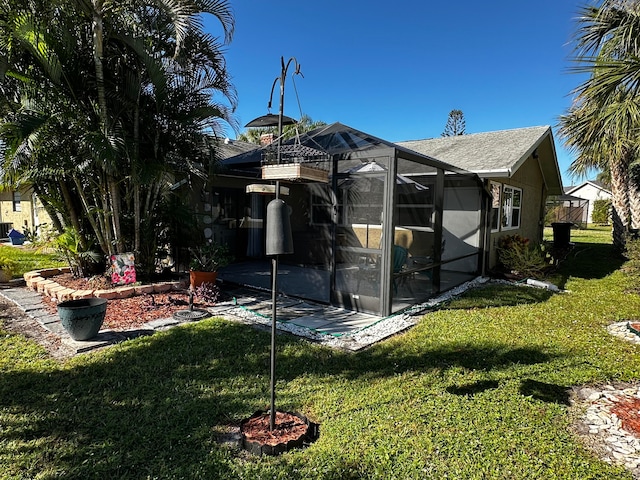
(473, 388)
(546, 392)
(585, 260)
(151, 407)
(589, 261)
(500, 295)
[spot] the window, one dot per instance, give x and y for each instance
(495, 206)
(511, 205)
(16, 202)
(321, 209)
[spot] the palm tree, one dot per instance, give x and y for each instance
(131, 90)
(603, 122)
(604, 137)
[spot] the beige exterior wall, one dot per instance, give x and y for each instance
(529, 179)
(28, 214)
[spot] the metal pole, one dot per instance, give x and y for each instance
(274, 290)
(274, 262)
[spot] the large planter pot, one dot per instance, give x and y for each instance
(83, 318)
(197, 278)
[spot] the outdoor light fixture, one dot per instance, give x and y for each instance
(278, 223)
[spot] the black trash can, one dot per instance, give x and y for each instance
(561, 234)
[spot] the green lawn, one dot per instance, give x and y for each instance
(478, 389)
(28, 259)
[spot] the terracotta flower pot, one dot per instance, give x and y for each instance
(197, 278)
(83, 318)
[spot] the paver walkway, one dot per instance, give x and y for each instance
(295, 316)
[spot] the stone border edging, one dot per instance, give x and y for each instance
(40, 281)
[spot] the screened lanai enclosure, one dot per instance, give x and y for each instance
(376, 228)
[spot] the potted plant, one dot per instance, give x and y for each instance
(7, 267)
(205, 261)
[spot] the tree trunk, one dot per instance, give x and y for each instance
(135, 179)
(97, 59)
(105, 217)
(87, 208)
(114, 194)
(73, 214)
(634, 196)
(49, 208)
(621, 212)
(98, 53)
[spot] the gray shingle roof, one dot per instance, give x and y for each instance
(483, 153)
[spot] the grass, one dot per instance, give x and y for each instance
(28, 259)
(476, 390)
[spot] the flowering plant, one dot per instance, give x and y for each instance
(207, 292)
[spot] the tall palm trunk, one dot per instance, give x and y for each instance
(621, 214)
(73, 215)
(634, 196)
(134, 174)
(97, 228)
(98, 53)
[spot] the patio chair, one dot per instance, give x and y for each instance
(400, 256)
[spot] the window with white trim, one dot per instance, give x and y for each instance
(511, 207)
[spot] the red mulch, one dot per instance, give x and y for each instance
(287, 427)
(128, 313)
(628, 411)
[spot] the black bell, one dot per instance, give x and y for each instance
(279, 239)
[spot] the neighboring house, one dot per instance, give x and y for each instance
(590, 190)
(20, 209)
(519, 167)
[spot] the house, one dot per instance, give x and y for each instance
(20, 209)
(519, 167)
(376, 227)
(590, 190)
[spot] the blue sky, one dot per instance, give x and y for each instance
(396, 69)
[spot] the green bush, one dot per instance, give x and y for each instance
(8, 265)
(523, 258)
(601, 212)
(632, 266)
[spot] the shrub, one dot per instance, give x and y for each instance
(208, 292)
(601, 212)
(632, 253)
(80, 260)
(518, 255)
(8, 265)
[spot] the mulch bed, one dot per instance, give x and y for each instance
(628, 411)
(287, 427)
(127, 313)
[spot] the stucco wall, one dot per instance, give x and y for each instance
(25, 217)
(529, 179)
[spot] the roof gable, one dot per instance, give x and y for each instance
(594, 184)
